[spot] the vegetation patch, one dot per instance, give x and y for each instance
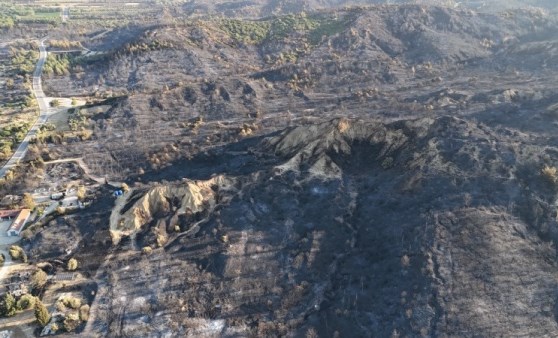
(255, 32)
(12, 15)
(252, 32)
(57, 64)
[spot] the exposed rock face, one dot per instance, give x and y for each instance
(134, 213)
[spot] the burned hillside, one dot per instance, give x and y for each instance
(354, 227)
(380, 171)
(184, 87)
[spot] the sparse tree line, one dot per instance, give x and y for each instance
(23, 58)
(57, 64)
(64, 44)
(21, 63)
(10, 137)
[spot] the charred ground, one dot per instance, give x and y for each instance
(351, 226)
(362, 172)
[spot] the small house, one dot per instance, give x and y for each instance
(19, 222)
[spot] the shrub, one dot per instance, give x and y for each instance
(147, 250)
(41, 313)
(84, 313)
(60, 306)
(60, 210)
(71, 322)
(81, 192)
(387, 163)
(28, 201)
(312, 333)
(25, 302)
(405, 261)
(71, 302)
(549, 173)
(38, 279)
(125, 187)
(72, 264)
(8, 305)
(55, 103)
(17, 253)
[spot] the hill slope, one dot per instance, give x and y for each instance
(419, 227)
(239, 77)
(362, 172)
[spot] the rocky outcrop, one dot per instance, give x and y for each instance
(134, 214)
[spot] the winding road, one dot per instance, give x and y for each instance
(37, 89)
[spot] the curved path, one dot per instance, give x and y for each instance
(37, 89)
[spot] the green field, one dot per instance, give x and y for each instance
(11, 14)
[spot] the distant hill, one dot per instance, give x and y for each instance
(273, 7)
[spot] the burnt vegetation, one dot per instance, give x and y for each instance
(366, 171)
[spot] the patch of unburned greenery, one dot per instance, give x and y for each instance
(284, 25)
(57, 64)
(10, 14)
(10, 136)
(23, 59)
(327, 27)
(253, 32)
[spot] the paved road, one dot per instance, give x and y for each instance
(43, 115)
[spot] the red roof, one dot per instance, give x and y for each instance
(9, 213)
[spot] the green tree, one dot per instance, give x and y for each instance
(8, 305)
(74, 303)
(25, 302)
(38, 279)
(41, 313)
(26, 234)
(71, 302)
(17, 253)
(55, 103)
(72, 264)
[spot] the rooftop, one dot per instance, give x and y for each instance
(9, 213)
(20, 220)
